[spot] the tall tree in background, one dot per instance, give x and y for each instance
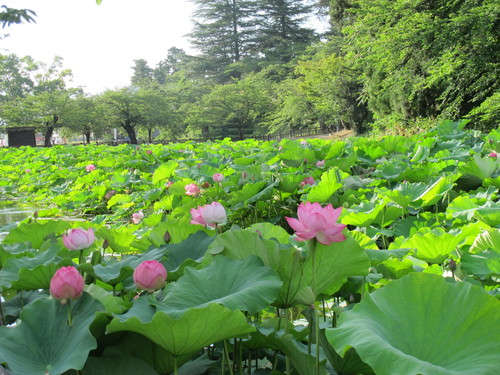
(143, 74)
(281, 34)
(223, 32)
(426, 58)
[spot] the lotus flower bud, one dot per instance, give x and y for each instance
(78, 239)
(90, 167)
(307, 181)
(67, 283)
(137, 217)
(150, 275)
(218, 177)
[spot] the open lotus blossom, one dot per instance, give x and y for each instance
(192, 189)
(320, 163)
(67, 283)
(209, 215)
(150, 275)
(90, 167)
(137, 217)
(493, 155)
(307, 181)
(218, 177)
(317, 222)
(78, 239)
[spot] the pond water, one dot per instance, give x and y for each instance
(11, 214)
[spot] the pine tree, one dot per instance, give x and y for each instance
(281, 34)
(223, 32)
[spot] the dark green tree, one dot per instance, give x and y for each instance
(425, 58)
(223, 31)
(281, 34)
(143, 74)
(9, 16)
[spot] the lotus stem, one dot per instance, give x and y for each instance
(287, 359)
(226, 353)
(70, 317)
(176, 371)
(315, 311)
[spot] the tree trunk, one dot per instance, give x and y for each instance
(150, 135)
(129, 128)
(87, 137)
(49, 130)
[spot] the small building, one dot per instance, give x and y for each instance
(21, 136)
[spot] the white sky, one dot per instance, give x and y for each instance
(99, 42)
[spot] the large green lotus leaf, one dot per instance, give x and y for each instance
(269, 231)
(379, 256)
(35, 232)
(164, 171)
(330, 182)
(489, 215)
(479, 167)
(248, 193)
(336, 150)
(290, 182)
(120, 365)
(492, 181)
(394, 268)
(362, 215)
(487, 240)
(126, 343)
(463, 207)
(187, 253)
(239, 244)
(195, 329)
(303, 362)
(405, 194)
(293, 154)
(433, 246)
(483, 265)
(44, 343)
(32, 273)
(422, 324)
(245, 284)
(120, 239)
(116, 271)
(333, 264)
(436, 191)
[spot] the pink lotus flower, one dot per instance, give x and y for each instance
(317, 222)
(27, 170)
(307, 181)
(78, 239)
(320, 163)
(168, 184)
(150, 275)
(149, 152)
(192, 189)
(137, 217)
(209, 215)
(218, 177)
(197, 216)
(67, 283)
(90, 167)
(493, 155)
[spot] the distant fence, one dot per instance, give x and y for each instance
(299, 133)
